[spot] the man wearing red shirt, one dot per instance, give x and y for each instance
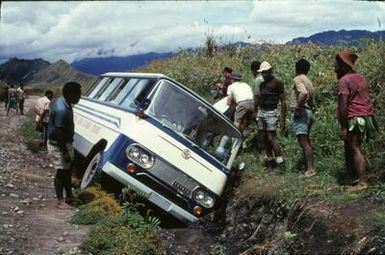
(354, 113)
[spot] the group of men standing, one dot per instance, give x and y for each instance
(14, 98)
(260, 102)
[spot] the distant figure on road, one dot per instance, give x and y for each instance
(301, 104)
(12, 99)
(60, 137)
(42, 108)
(355, 115)
(271, 91)
(21, 98)
(5, 96)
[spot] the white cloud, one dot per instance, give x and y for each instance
(72, 30)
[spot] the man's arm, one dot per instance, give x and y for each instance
(230, 100)
(283, 111)
(343, 114)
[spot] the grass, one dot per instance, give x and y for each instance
(30, 135)
(118, 229)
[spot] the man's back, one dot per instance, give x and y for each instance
(240, 91)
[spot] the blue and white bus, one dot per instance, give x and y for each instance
(158, 137)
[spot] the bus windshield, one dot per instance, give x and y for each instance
(180, 111)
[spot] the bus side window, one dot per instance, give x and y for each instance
(88, 91)
(99, 88)
(122, 91)
(131, 99)
(111, 87)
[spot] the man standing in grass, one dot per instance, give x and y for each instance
(271, 91)
(301, 104)
(354, 113)
(60, 138)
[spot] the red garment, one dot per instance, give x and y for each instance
(357, 88)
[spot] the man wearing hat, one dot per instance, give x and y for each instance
(355, 115)
(271, 91)
(241, 94)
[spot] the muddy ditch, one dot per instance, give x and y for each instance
(253, 223)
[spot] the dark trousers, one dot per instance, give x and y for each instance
(21, 106)
(63, 182)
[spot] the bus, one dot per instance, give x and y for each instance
(158, 137)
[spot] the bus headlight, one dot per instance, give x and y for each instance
(140, 156)
(204, 198)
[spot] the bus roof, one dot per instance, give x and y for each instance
(139, 75)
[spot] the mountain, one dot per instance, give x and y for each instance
(59, 73)
(98, 66)
(16, 71)
(342, 37)
(41, 73)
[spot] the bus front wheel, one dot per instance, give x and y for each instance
(92, 174)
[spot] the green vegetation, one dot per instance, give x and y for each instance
(30, 135)
(118, 230)
(201, 71)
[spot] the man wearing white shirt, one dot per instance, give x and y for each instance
(241, 94)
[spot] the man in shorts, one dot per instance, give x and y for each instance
(301, 104)
(241, 94)
(60, 138)
(355, 115)
(271, 91)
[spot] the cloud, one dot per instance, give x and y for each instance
(72, 30)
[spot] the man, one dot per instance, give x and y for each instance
(60, 138)
(21, 98)
(258, 79)
(271, 91)
(241, 94)
(5, 96)
(354, 113)
(227, 73)
(301, 103)
(42, 108)
(12, 99)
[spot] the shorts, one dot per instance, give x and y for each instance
(58, 159)
(244, 108)
(301, 124)
(267, 120)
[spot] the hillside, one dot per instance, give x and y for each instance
(57, 74)
(15, 70)
(101, 65)
(341, 37)
(41, 73)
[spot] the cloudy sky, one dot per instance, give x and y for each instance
(74, 30)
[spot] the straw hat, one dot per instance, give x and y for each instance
(348, 57)
(264, 66)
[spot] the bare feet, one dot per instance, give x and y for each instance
(359, 187)
(63, 206)
(310, 173)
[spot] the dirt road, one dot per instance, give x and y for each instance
(29, 220)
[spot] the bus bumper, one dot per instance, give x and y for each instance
(151, 195)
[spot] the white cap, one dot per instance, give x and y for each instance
(264, 66)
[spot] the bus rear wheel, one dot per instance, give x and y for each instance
(92, 174)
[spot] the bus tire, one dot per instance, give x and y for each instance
(92, 174)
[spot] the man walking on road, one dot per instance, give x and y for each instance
(301, 104)
(60, 138)
(355, 115)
